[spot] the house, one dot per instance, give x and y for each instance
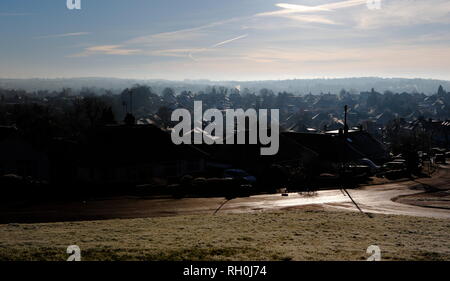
(248, 156)
(121, 154)
(334, 147)
(21, 157)
(438, 131)
(366, 144)
(331, 149)
(113, 154)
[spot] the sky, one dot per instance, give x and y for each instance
(225, 39)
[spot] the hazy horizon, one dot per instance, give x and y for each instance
(296, 86)
(220, 80)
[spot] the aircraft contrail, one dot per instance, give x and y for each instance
(191, 56)
(229, 41)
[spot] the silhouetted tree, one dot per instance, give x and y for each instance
(441, 92)
(130, 119)
(164, 114)
(168, 97)
(108, 116)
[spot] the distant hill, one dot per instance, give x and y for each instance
(296, 86)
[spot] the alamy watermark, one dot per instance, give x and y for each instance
(235, 120)
(374, 4)
(73, 4)
(74, 253)
(375, 253)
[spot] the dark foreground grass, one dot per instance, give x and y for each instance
(287, 235)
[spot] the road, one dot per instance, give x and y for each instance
(371, 199)
(379, 199)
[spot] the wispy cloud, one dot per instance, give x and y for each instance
(393, 13)
(295, 39)
(161, 44)
(167, 52)
(311, 19)
(73, 34)
(292, 9)
(405, 13)
(176, 52)
(301, 9)
(107, 50)
(311, 14)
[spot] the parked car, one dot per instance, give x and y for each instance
(440, 159)
(399, 160)
(394, 166)
(374, 168)
(240, 175)
(244, 183)
(355, 171)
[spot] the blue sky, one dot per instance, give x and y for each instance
(224, 40)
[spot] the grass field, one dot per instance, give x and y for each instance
(289, 235)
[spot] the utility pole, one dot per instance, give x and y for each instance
(131, 101)
(343, 159)
(345, 120)
(125, 107)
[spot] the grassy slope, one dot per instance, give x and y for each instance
(289, 235)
